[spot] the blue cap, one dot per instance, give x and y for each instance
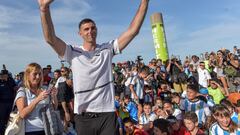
(203, 91)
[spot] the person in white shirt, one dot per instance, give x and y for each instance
(203, 75)
(91, 67)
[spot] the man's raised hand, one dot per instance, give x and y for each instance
(43, 4)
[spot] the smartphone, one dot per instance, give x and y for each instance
(49, 89)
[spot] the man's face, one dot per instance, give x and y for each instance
(56, 75)
(167, 107)
(88, 31)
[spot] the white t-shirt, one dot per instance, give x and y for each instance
(92, 77)
(60, 80)
(33, 122)
(203, 77)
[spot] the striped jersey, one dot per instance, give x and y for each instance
(200, 107)
(138, 85)
(144, 120)
(235, 118)
(216, 129)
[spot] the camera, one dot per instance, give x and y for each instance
(139, 58)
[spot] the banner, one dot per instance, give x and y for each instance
(159, 37)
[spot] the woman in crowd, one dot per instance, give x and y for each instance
(31, 98)
(65, 97)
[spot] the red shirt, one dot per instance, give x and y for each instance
(181, 131)
(199, 132)
(139, 132)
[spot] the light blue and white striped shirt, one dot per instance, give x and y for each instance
(234, 118)
(138, 85)
(144, 120)
(199, 107)
(216, 129)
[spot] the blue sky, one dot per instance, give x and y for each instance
(192, 27)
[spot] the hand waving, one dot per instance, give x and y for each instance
(44, 3)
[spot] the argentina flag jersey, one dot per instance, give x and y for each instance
(216, 129)
(199, 107)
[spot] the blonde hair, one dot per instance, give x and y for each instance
(32, 67)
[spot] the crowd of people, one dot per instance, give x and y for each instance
(198, 96)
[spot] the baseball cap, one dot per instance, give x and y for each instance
(203, 91)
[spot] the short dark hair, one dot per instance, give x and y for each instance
(57, 71)
(144, 69)
(162, 125)
(147, 104)
(86, 20)
(127, 120)
(193, 87)
(126, 97)
(167, 101)
(192, 116)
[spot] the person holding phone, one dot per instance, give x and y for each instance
(31, 98)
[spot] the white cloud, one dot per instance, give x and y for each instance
(70, 11)
(20, 47)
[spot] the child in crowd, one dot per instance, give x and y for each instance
(191, 123)
(157, 104)
(148, 94)
(147, 117)
(137, 85)
(161, 127)
(176, 99)
(234, 116)
(177, 127)
(193, 103)
(131, 129)
(216, 91)
(164, 92)
(117, 106)
(131, 108)
(222, 123)
(160, 113)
